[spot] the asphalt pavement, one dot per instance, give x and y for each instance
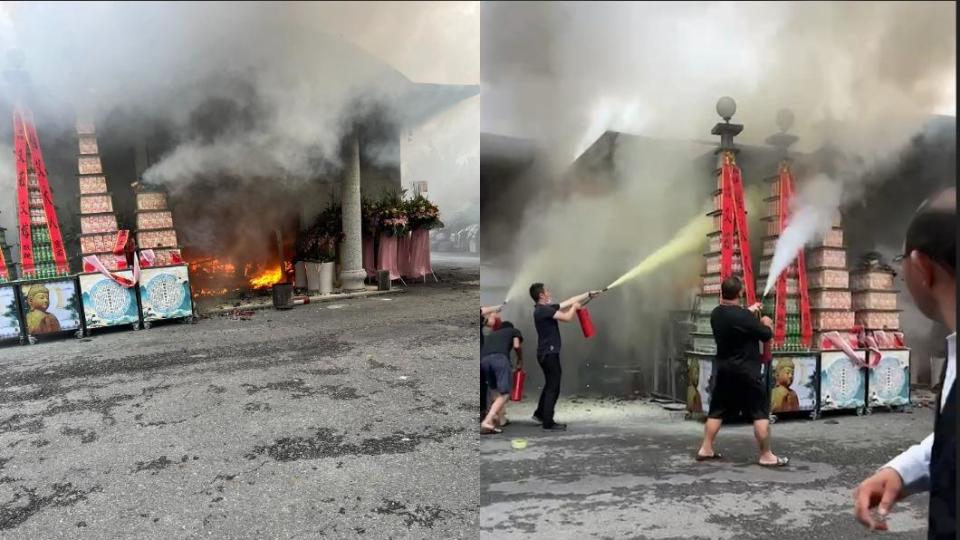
(345, 419)
(626, 469)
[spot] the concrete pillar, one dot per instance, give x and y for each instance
(352, 273)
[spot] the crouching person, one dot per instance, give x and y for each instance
(495, 370)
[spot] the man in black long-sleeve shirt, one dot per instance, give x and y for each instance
(739, 385)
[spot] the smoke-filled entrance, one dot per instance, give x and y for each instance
(238, 238)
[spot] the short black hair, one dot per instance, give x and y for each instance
(506, 324)
(933, 232)
(535, 291)
(731, 287)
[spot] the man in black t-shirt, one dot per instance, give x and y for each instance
(739, 386)
(489, 317)
(546, 316)
(495, 370)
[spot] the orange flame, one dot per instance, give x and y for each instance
(266, 278)
(217, 271)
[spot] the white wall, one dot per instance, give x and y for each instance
(444, 151)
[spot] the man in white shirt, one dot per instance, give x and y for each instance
(929, 267)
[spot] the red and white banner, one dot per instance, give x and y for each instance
(733, 225)
(92, 263)
(147, 258)
(120, 244)
(53, 226)
(743, 233)
(726, 223)
(23, 196)
(842, 344)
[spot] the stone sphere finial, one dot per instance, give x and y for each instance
(726, 107)
(784, 120)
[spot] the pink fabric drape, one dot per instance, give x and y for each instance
(404, 265)
(420, 253)
(387, 259)
(369, 262)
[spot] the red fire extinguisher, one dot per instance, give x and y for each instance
(767, 355)
(586, 323)
(516, 393)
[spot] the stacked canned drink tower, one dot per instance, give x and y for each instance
(98, 222)
(155, 227)
(709, 296)
(792, 341)
(44, 264)
(829, 281)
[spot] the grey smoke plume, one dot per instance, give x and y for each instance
(250, 99)
(861, 77)
(279, 83)
(556, 71)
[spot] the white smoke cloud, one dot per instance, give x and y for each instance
(812, 212)
(561, 74)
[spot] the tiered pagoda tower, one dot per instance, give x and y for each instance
(98, 223)
(874, 296)
(155, 231)
(827, 272)
(728, 253)
(42, 254)
(789, 303)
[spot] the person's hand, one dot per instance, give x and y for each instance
(756, 307)
(577, 306)
(487, 310)
(767, 321)
(881, 490)
(593, 294)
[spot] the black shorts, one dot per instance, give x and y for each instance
(736, 392)
(495, 369)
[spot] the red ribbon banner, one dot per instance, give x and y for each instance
(119, 246)
(23, 196)
(93, 263)
(56, 240)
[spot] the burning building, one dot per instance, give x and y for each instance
(241, 183)
(634, 191)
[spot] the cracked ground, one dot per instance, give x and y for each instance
(625, 469)
(348, 419)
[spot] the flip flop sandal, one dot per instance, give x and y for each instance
(714, 457)
(781, 462)
(494, 431)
